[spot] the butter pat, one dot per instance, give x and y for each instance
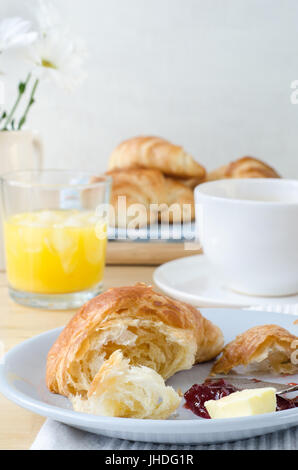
(250, 402)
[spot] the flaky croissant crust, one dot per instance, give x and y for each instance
(119, 389)
(252, 345)
(128, 304)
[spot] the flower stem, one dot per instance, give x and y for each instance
(22, 89)
(30, 103)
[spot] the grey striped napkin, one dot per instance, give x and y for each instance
(58, 436)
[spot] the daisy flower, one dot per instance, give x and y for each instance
(52, 52)
(57, 56)
(15, 32)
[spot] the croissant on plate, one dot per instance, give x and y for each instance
(263, 348)
(150, 329)
(246, 167)
(157, 153)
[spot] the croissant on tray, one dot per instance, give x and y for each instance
(157, 153)
(150, 171)
(135, 195)
(246, 167)
(180, 202)
(150, 329)
(141, 196)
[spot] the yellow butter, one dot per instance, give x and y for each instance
(244, 403)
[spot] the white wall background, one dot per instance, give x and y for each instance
(212, 75)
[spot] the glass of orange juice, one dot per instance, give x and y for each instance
(55, 235)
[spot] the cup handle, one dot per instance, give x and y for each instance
(38, 146)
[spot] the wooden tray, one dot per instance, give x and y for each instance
(151, 253)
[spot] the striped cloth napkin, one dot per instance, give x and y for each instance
(57, 436)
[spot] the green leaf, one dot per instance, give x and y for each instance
(22, 87)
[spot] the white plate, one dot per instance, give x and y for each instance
(193, 280)
(22, 381)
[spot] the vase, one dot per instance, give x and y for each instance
(19, 150)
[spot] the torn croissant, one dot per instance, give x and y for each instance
(266, 348)
(149, 328)
(126, 391)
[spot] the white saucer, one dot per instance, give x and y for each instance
(193, 280)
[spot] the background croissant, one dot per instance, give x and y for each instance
(149, 328)
(151, 171)
(144, 190)
(158, 153)
(246, 167)
(180, 202)
(141, 188)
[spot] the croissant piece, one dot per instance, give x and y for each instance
(180, 202)
(265, 348)
(246, 167)
(149, 328)
(126, 391)
(158, 153)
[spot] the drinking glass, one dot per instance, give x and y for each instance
(55, 233)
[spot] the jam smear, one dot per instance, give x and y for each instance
(285, 403)
(196, 396)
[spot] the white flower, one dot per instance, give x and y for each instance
(47, 15)
(57, 56)
(15, 32)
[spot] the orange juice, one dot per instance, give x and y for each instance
(54, 252)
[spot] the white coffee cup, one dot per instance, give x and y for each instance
(248, 229)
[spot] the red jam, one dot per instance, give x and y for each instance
(196, 396)
(286, 403)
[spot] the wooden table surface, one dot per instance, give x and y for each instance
(18, 427)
